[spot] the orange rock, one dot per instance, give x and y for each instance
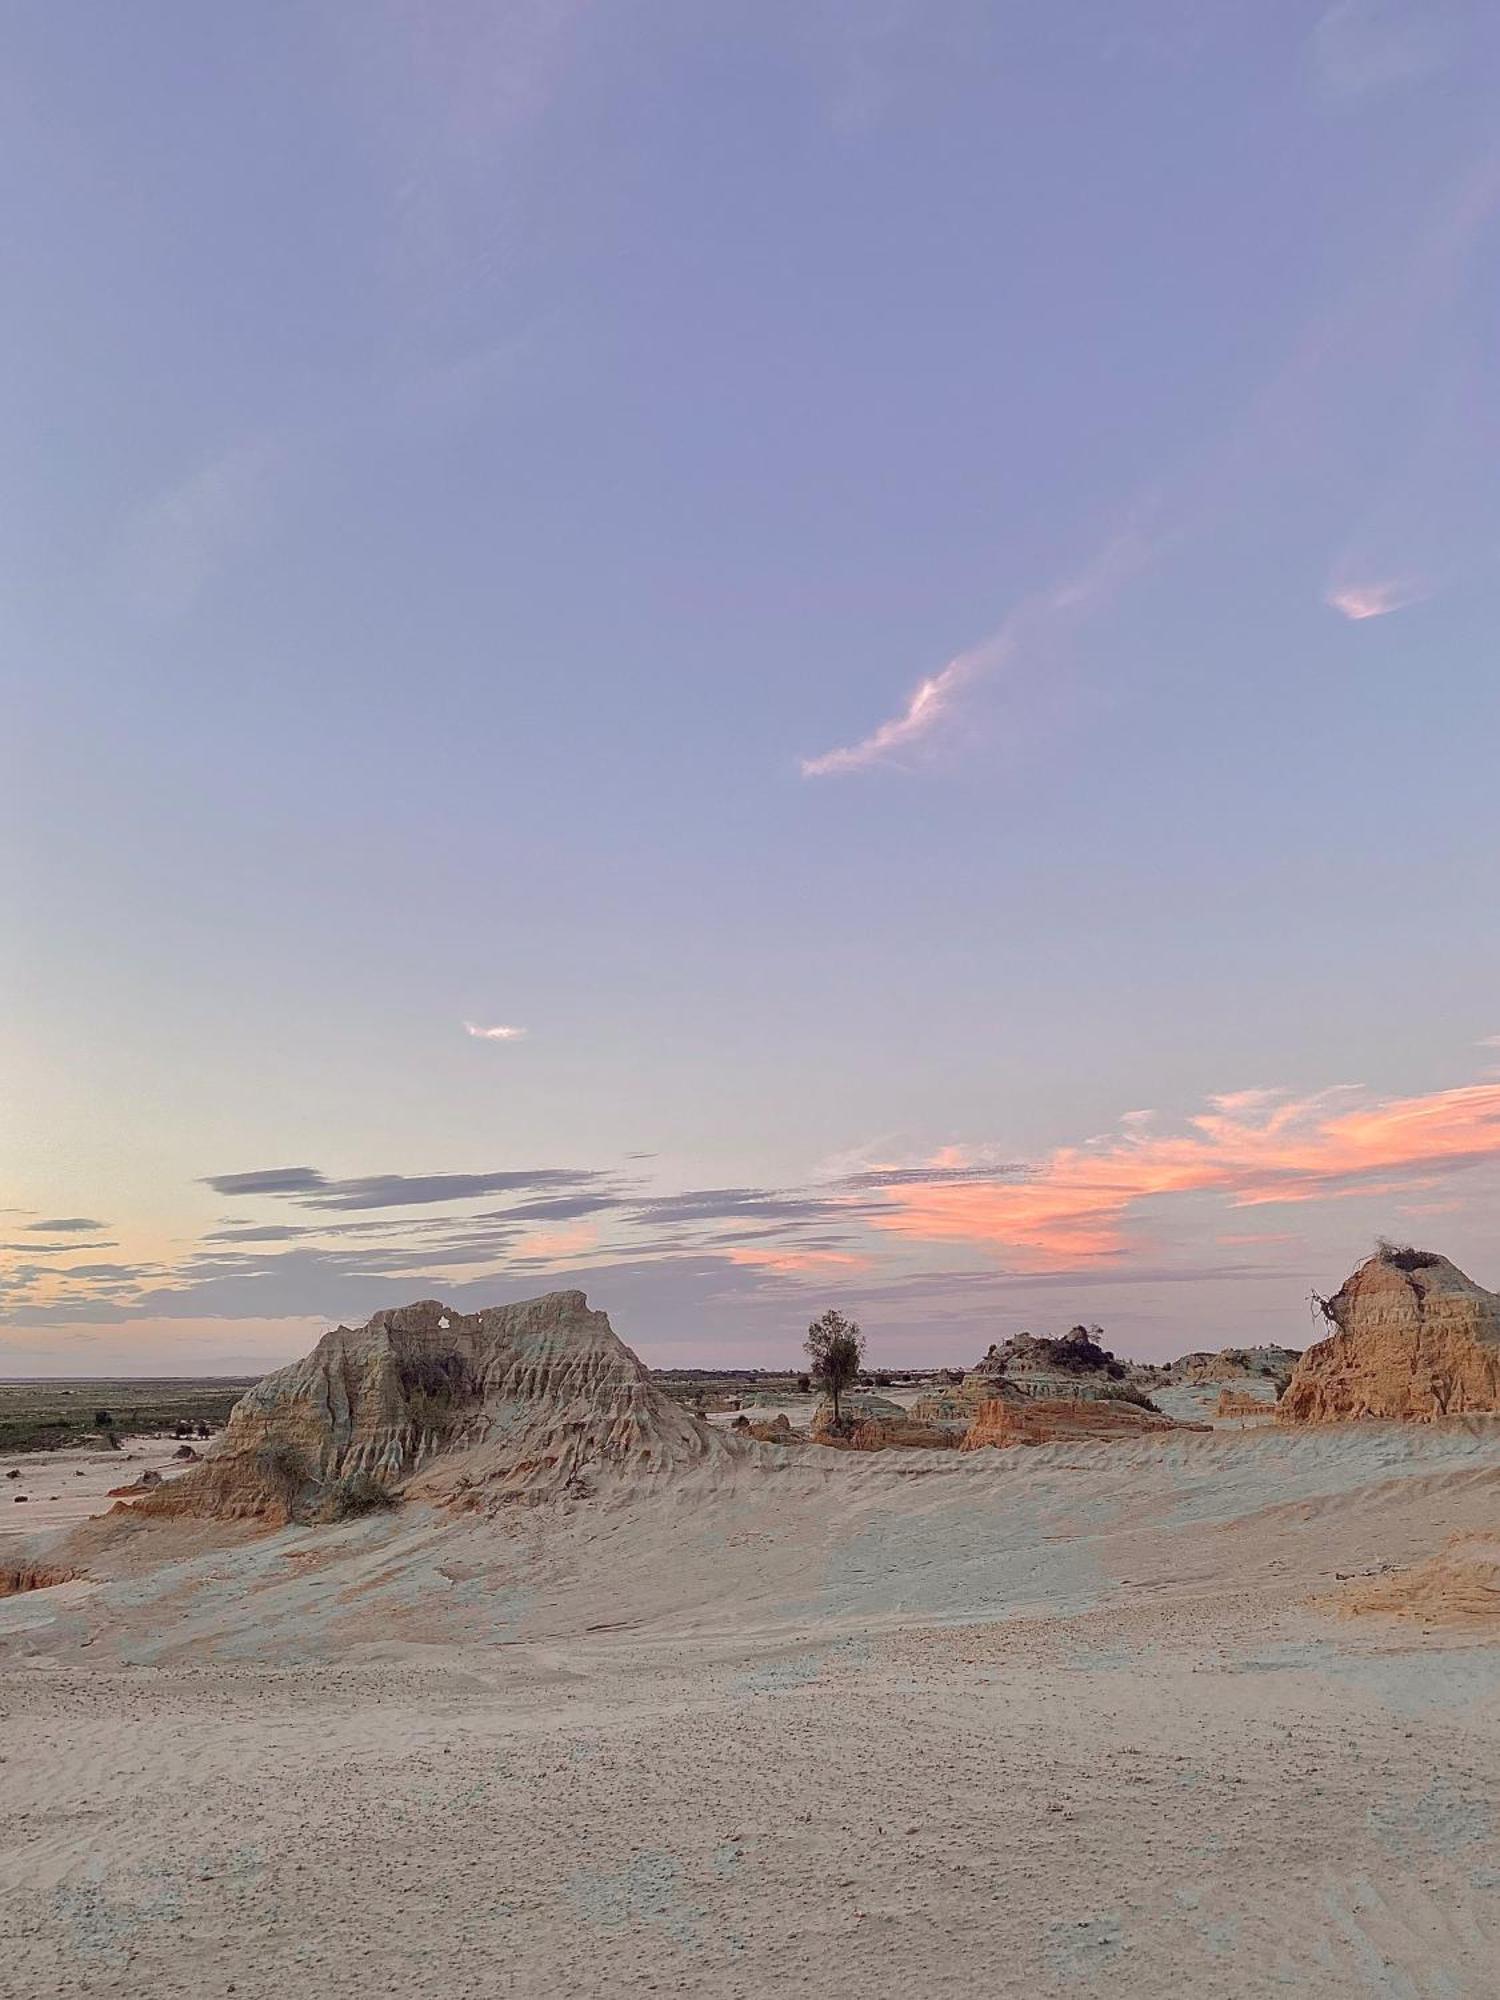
(900, 1433)
(19, 1577)
(1413, 1338)
(147, 1483)
(1235, 1403)
(1003, 1423)
(773, 1430)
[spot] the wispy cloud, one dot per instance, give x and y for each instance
(796, 1263)
(1369, 335)
(1030, 626)
(1375, 600)
(495, 1034)
(59, 1225)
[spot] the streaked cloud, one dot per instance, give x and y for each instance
(267, 1180)
(1073, 1216)
(1030, 627)
(1251, 1148)
(63, 1225)
(495, 1034)
(312, 1189)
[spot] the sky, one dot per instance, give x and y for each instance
(747, 656)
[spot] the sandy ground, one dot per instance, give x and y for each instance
(1078, 1721)
(58, 1489)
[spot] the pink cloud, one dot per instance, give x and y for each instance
(1078, 1202)
(1375, 600)
(1029, 624)
(554, 1243)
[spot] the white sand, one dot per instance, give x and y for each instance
(57, 1489)
(1068, 1722)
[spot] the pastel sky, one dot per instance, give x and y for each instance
(751, 655)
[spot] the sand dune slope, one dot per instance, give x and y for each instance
(1079, 1720)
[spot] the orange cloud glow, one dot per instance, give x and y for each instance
(554, 1243)
(790, 1262)
(1251, 1148)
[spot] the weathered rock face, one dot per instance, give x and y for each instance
(897, 1433)
(1413, 1338)
(1003, 1423)
(775, 1430)
(1240, 1403)
(514, 1401)
(875, 1423)
(18, 1577)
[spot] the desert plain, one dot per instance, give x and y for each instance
(1211, 1714)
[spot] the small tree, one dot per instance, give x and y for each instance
(835, 1346)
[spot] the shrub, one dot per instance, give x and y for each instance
(282, 1471)
(1404, 1256)
(355, 1494)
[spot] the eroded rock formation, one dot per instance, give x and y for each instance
(18, 1577)
(1231, 1364)
(1239, 1403)
(1413, 1337)
(1003, 1423)
(514, 1401)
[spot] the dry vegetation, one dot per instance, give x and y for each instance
(49, 1416)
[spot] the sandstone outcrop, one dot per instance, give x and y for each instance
(18, 1577)
(1237, 1403)
(875, 1423)
(902, 1433)
(1231, 1364)
(1413, 1338)
(1003, 1423)
(512, 1402)
(953, 1407)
